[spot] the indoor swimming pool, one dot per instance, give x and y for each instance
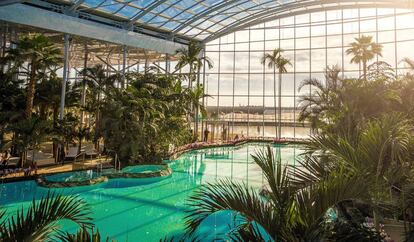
(133, 210)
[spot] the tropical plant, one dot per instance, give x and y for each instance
(141, 122)
(48, 100)
(381, 70)
(339, 105)
(276, 61)
(28, 133)
(380, 152)
(40, 221)
(321, 107)
(41, 54)
(99, 84)
(364, 50)
(291, 212)
(83, 235)
(67, 131)
(409, 62)
(12, 104)
(336, 173)
(192, 57)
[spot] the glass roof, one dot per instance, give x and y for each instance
(204, 20)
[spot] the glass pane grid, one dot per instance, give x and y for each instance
(244, 91)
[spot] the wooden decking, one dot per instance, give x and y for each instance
(51, 168)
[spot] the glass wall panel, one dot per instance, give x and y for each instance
(244, 92)
(302, 61)
(212, 84)
(241, 62)
(269, 84)
(214, 56)
(256, 34)
(318, 59)
(226, 62)
(256, 84)
(242, 36)
(255, 62)
(226, 84)
(288, 84)
(241, 84)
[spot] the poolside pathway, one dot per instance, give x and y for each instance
(50, 168)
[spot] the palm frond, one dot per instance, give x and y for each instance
(82, 235)
(228, 195)
(39, 221)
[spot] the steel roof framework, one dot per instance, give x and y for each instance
(183, 20)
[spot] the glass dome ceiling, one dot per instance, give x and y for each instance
(202, 20)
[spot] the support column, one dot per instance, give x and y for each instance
(3, 43)
(124, 58)
(167, 64)
(61, 152)
(146, 63)
(204, 92)
(83, 99)
(197, 109)
(65, 75)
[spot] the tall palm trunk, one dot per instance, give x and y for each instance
(190, 85)
(29, 105)
(55, 145)
(364, 66)
(23, 157)
(275, 103)
(190, 77)
(280, 104)
(31, 91)
(97, 123)
(196, 108)
(80, 145)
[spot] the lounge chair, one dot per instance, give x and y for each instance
(73, 154)
(4, 163)
(91, 152)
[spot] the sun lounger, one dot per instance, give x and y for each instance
(73, 154)
(91, 152)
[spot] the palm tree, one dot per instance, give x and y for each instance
(28, 133)
(40, 53)
(316, 108)
(364, 50)
(48, 98)
(192, 57)
(40, 221)
(291, 212)
(276, 61)
(409, 62)
(380, 152)
(335, 173)
(340, 105)
(12, 105)
(99, 84)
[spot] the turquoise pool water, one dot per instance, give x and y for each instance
(142, 168)
(133, 210)
(73, 176)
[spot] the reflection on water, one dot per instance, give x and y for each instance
(73, 176)
(135, 210)
(226, 131)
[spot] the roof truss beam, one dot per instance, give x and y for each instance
(40, 18)
(302, 8)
